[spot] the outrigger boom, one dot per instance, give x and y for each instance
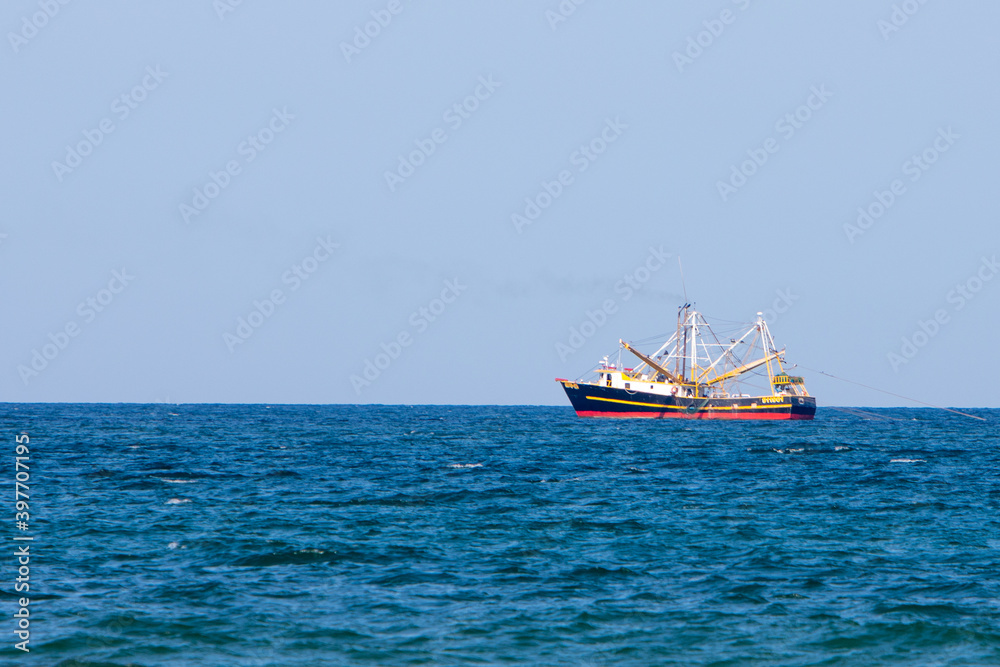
(709, 379)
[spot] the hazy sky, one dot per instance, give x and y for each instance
(255, 202)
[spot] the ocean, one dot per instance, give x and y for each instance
(435, 535)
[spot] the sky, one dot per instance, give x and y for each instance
(409, 202)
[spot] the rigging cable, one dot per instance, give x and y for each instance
(906, 398)
(865, 415)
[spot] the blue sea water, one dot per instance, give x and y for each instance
(376, 535)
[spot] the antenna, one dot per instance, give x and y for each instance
(681, 267)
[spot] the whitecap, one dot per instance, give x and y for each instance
(178, 501)
(172, 545)
(465, 465)
(908, 461)
(177, 481)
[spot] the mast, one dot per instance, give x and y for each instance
(694, 350)
(677, 357)
(683, 355)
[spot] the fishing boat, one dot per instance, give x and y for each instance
(695, 375)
